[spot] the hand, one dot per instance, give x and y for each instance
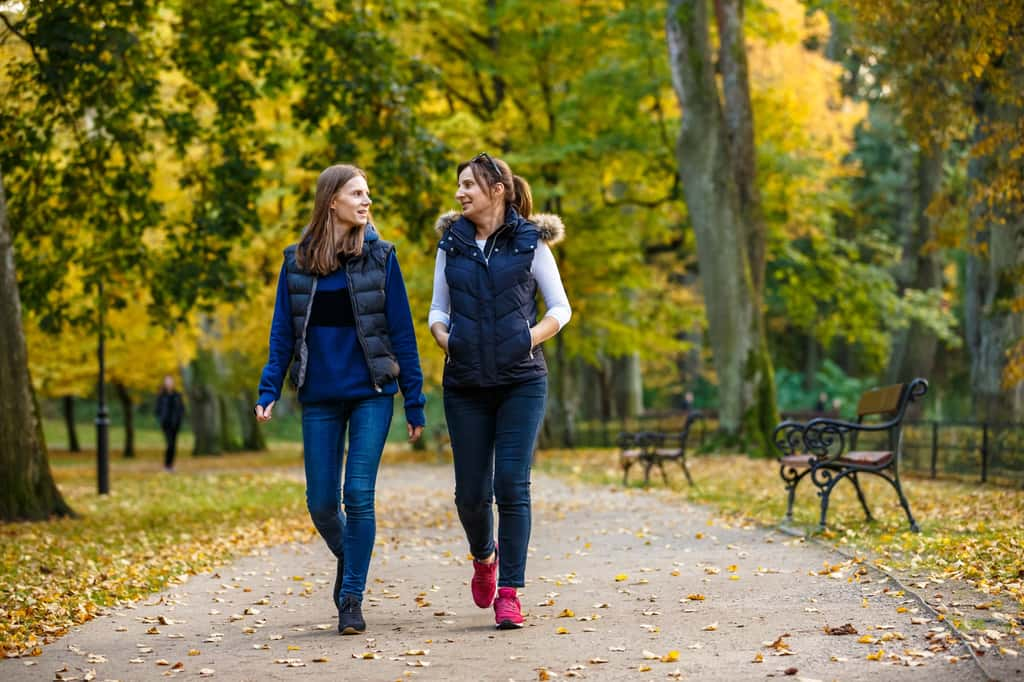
(263, 414)
(414, 432)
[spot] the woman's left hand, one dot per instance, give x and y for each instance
(414, 432)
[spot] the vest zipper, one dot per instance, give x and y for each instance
(305, 325)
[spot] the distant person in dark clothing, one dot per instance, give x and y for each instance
(170, 410)
(688, 400)
(822, 404)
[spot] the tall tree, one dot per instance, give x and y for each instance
(973, 91)
(28, 490)
(716, 165)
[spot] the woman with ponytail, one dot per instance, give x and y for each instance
(492, 260)
(342, 322)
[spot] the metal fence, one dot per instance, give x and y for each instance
(984, 452)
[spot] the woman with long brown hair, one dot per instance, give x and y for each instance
(492, 261)
(342, 322)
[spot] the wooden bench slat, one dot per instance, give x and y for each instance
(877, 458)
(796, 460)
(880, 401)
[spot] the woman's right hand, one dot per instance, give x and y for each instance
(440, 333)
(263, 413)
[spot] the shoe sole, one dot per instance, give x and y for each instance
(352, 631)
(509, 625)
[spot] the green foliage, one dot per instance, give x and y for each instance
(75, 146)
(829, 379)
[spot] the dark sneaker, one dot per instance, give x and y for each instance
(484, 582)
(337, 581)
(508, 615)
(350, 616)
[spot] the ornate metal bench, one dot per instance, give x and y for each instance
(826, 449)
(651, 448)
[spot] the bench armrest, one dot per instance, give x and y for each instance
(788, 437)
(830, 438)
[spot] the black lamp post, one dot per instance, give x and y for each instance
(102, 417)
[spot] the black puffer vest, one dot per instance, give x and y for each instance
(493, 304)
(366, 275)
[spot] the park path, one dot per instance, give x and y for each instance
(624, 563)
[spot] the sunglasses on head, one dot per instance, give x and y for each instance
(487, 157)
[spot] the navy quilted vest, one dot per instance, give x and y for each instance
(493, 305)
(366, 276)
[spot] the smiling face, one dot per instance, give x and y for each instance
(350, 206)
(478, 202)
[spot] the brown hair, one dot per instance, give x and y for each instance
(489, 170)
(318, 248)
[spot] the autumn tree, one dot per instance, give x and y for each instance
(716, 161)
(28, 491)
(956, 73)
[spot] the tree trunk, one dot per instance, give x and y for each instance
(914, 349)
(28, 491)
(711, 185)
(68, 404)
(205, 408)
(739, 127)
(628, 386)
(994, 264)
(229, 438)
(252, 435)
(129, 421)
(555, 431)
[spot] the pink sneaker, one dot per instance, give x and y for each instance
(507, 613)
(484, 582)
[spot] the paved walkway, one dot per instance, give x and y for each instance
(624, 585)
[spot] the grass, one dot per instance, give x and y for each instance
(970, 532)
(150, 531)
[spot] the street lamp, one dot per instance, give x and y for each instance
(102, 416)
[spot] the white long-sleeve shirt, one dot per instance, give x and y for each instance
(544, 269)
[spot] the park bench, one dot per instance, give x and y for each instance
(654, 448)
(825, 449)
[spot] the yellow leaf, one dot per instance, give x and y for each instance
(758, 658)
(670, 657)
(867, 639)
(644, 668)
(711, 628)
(695, 597)
(562, 631)
(294, 647)
(193, 652)
(877, 656)
(699, 536)
(620, 577)
(567, 613)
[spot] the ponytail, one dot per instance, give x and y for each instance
(521, 198)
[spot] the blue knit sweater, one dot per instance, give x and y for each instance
(337, 369)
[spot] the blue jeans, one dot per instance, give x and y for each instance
(493, 433)
(349, 533)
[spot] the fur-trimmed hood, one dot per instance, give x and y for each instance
(551, 227)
